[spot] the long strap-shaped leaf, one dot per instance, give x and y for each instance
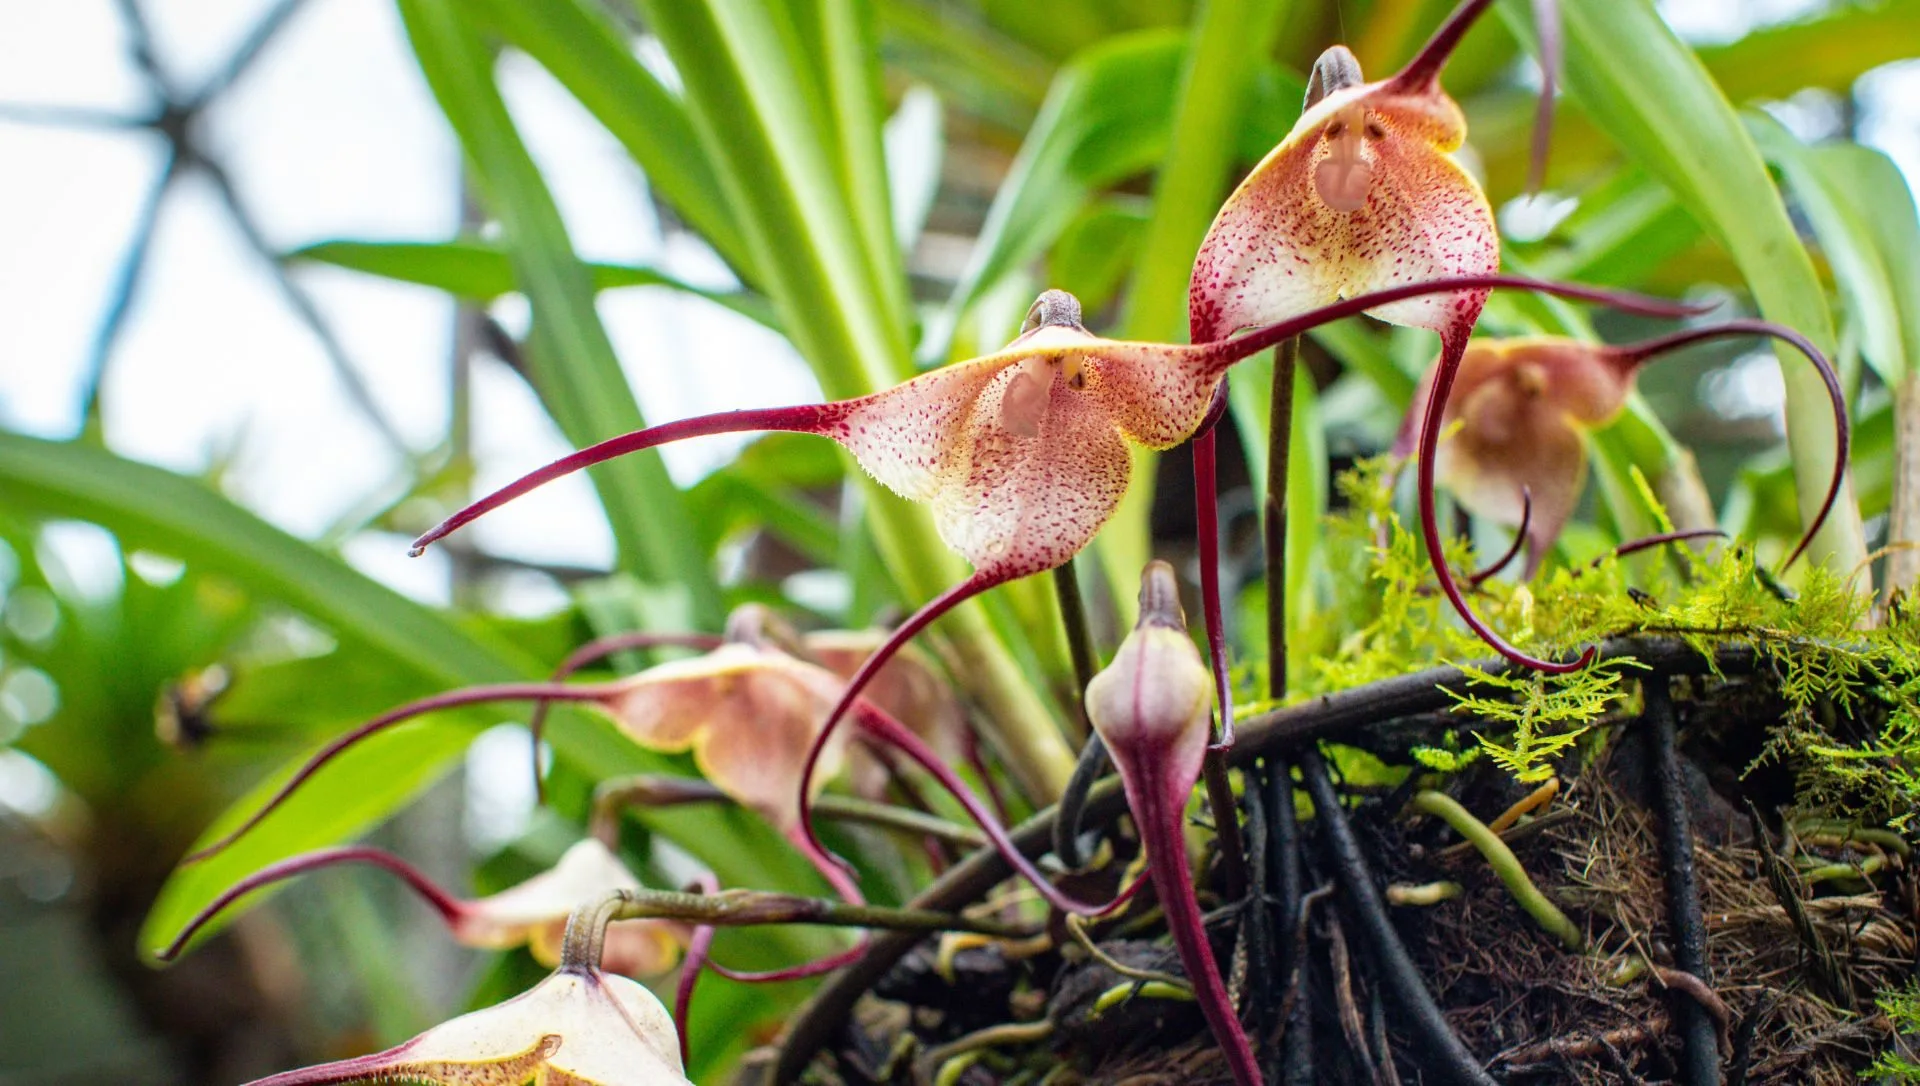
(574, 366)
(147, 507)
(783, 147)
(1644, 88)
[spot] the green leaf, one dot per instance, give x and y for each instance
(1646, 90)
(579, 45)
(1829, 51)
(572, 361)
(482, 271)
(1863, 216)
(147, 507)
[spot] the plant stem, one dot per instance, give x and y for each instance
(1093, 760)
(1903, 525)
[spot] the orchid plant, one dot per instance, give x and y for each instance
(1017, 458)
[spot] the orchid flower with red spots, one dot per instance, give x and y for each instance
(578, 1027)
(1152, 707)
(1362, 194)
(533, 913)
(1513, 444)
(1021, 454)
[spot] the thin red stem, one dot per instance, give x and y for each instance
(804, 419)
(450, 700)
(1546, 31)
(594, 651)
(979, 582)
(449, 907)
(1453, 348)
(1206, 508)
(1640, 353)
(1220, 355)
(691, 967)
(883, 728)
(794, 972)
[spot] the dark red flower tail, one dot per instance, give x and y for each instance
(475, 695)
(1159, 809)
(1638, 354)
(449, 907)
(1453, 348)
(979, 582)
(804, 419)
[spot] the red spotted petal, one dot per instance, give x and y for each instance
(1362, 194)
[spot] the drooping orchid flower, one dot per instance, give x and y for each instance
(1363, 193)
(1513, 444)
(578, 1027)
(1152, 706)
(1021, 454)
(747, 710)
(534, 913)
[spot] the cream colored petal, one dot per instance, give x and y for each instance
(585, 1027)
(588, 870)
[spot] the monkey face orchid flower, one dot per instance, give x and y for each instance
(1362, 194)
(533, 913)
(1020, 454)
(1153, 707)
(579, 1027)
(1513, 444)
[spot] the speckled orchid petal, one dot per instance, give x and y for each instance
(579, 1027)
(1514, 426)
(535, 913)
(1152, 706)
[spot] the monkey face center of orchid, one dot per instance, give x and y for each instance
(1344, 174)
(1029, 391)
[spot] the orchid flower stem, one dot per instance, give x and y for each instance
(656, 791)
(1446, 1059)
(1687, 926)
(1093, 760)
(1286, 359)
(699, 947)
(1213, 769)
(751, 908)
(1505, 865)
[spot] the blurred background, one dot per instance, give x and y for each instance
(172, 173)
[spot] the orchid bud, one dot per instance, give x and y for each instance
(1152, 706)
